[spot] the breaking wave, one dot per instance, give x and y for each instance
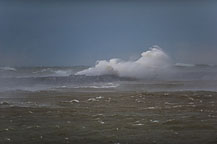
(184, 65)
(56, 72)
(152, 63)
(7, 69)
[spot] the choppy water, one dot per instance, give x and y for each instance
(53, 105)
(108, 117)
(182, 77)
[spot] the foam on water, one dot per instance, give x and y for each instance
(152, 71)
(151, 63)
(54, 72)
(63, 72)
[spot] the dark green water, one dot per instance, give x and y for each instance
(56, 117)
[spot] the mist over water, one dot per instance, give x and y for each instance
(152, 96)
(152, 63)
(155, 65)
(154, 70)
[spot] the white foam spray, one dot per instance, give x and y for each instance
(152, 63)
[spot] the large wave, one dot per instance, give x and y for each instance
(152, 63)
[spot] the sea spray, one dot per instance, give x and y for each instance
(152, 63)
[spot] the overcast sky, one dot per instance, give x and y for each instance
(57, 33)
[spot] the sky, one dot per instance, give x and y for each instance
(80, 32)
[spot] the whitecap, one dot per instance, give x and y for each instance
(151, 63)
(7, 69)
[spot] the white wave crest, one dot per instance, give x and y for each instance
(7, 69)
(184, 65)
(54, 72)
(151, 63)
(63, 72)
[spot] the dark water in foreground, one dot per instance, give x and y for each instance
(53, 105)
(108, 116)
